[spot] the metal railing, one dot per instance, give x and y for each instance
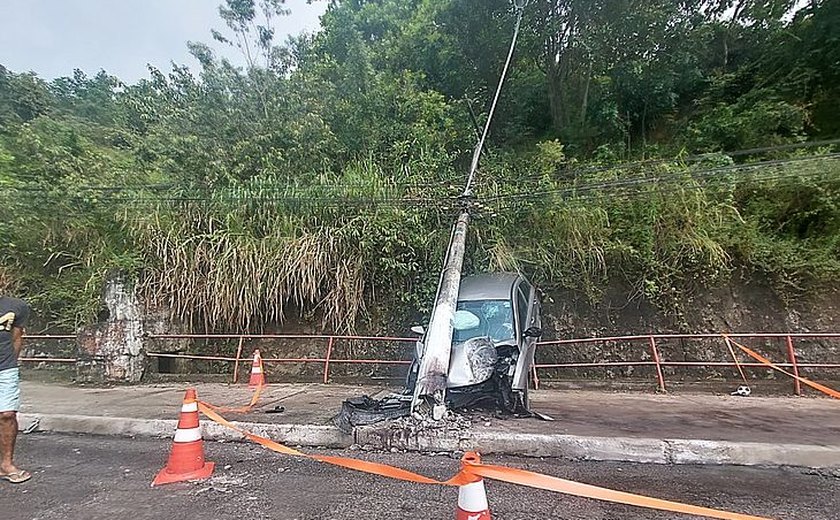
(326, 360)
(48, 359)
(650, 343)
(653, 341)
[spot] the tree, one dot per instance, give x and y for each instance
(252, 25)
(23, 97)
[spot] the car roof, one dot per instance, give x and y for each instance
(489, 286)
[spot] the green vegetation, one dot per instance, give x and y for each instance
(321, 179)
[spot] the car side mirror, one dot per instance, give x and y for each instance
(532, 332)
(418, 329)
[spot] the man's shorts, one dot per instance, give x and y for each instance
(10, 390)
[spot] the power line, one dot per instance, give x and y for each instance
(436, 206)
(520, 9)
(661, 189)
(695, 174)
(301, 195)
(392, 183)
(584, 170)
(385, 184)
(291, 201)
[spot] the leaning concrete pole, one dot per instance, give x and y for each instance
(433, 371)
(434, 365)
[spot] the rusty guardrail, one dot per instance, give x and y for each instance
(651, 342)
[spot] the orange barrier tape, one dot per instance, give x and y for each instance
(471, 472)
(345, 462)
(540, 481)
(758, 357)
(242, 409)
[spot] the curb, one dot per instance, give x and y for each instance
(614, 449)
(294, 434)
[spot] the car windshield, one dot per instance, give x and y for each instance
(484, 318)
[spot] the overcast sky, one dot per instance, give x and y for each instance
(53, 37)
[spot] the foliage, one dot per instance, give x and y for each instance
(321, 178)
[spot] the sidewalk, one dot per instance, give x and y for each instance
(702, 429)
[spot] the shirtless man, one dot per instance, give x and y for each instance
(13, 315)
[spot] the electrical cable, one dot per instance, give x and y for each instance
(519, 6)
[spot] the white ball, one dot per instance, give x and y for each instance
(743, 391)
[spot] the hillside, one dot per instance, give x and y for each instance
(644, 151)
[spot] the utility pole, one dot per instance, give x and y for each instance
(433, 371)
(434, 365)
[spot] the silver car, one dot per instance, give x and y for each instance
(496, 327)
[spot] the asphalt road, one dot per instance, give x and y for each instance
(90, 478)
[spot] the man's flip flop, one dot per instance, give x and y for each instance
(17, 477)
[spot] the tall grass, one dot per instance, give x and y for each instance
(363, 248)
(666, 229)
(9, 283)
(258, 252)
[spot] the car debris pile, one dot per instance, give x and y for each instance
(396, 409)
(364, 410)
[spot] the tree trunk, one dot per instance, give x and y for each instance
(644, 130)
(584, 104)
(555, 98)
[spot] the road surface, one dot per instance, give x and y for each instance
(91, 478)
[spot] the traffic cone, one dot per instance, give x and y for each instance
(472, 498)
(186, 461)
(257, 374)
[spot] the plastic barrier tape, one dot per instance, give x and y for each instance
(345, 462)
(471, 472)
(242, 409)
(758, 357)
(540, 481)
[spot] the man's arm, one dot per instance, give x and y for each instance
(17, 340)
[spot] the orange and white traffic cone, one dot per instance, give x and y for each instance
(186, 461)
(257, 374)
(472, 498)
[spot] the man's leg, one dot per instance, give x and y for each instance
(8, 435)
(9, 406)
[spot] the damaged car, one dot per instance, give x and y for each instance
(496, 327)
(495, 331)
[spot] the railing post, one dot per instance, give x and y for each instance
(327, 359)
(535, 377)
(797, 386)
(655, 354)
(238, 357)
